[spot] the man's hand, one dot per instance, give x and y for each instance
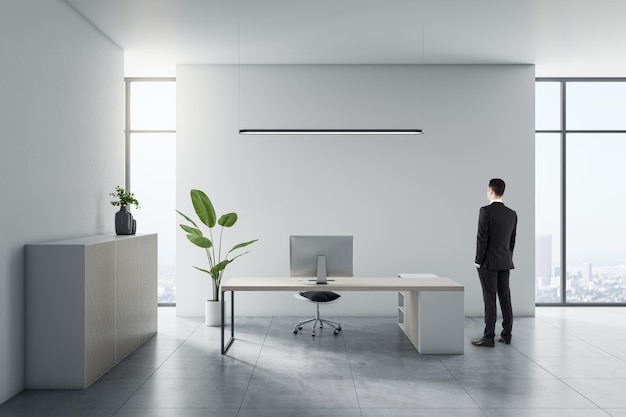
(476, 265)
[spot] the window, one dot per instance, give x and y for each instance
(580, 146)
(151, 169)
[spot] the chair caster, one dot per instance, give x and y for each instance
(299, 327)
(336, 332)
(295, 331)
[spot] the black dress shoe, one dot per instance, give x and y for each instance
(505, 339)
(483, 342)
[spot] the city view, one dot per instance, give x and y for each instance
(586, 281)
(167, 284)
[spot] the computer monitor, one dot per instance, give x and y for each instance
(320, 256)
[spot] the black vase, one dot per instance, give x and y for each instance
(124, 222)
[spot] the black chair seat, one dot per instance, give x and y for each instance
(320, 296)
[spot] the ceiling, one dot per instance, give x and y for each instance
(561, 37)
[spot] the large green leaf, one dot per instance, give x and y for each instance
(187, 218)
(242, 245)
(201, 241)
(220, 266)
(191, 230)
(227, 220)
(241, 254)
(204, 207)
(203, 270)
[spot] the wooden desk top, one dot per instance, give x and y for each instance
(340, 284)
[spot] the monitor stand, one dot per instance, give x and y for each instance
(321, 269)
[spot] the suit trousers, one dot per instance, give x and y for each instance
(496, 282)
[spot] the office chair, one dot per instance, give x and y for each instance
(318, 297)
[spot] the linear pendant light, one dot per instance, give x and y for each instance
(330, 131)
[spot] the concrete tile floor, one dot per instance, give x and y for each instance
(563, 362)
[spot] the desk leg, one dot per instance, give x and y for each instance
(232, 315)
(226, 346)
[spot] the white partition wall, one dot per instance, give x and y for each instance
(411, 203)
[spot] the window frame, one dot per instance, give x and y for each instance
(563, 132)
(128, 132)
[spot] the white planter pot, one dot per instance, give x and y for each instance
(212, 313)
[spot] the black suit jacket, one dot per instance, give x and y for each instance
(497, 226)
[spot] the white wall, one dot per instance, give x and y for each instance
(61, 146)
(410, 202)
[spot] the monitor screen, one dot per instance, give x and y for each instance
(332, 252)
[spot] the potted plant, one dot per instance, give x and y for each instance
(124, 222)
(212, 244)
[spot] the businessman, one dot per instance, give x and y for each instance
(495, 241)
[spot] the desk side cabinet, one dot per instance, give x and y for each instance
(89, 303)
(432, 320)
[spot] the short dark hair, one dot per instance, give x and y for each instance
(497, 186)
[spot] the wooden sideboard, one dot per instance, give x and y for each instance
(89, 303)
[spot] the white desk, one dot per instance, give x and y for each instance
(433, 324)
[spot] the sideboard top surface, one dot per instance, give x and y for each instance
(93, 240)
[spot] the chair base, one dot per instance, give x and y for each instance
(317, 319)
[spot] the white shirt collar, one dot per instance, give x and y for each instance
(496, 200)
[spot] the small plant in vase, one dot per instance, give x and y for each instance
(124, 222)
